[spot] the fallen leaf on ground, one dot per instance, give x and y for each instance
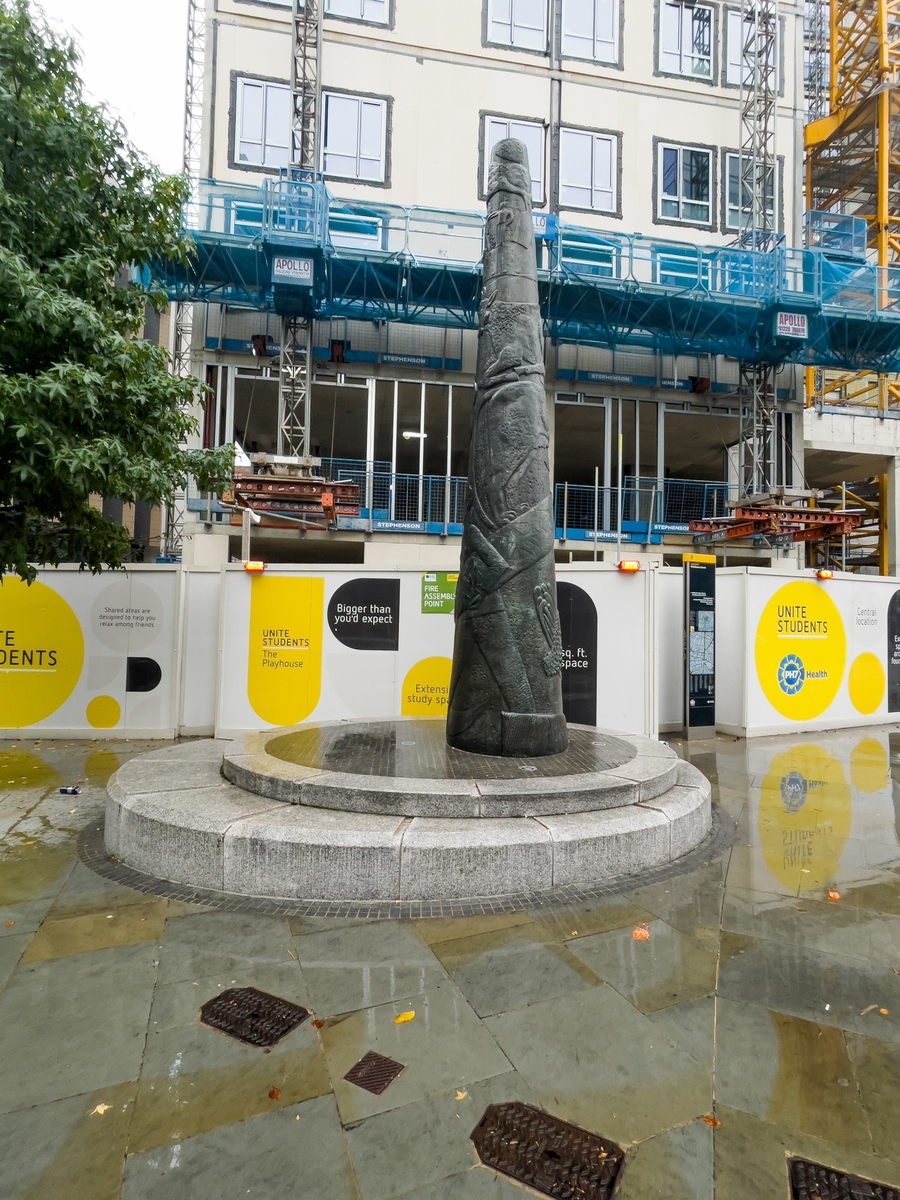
(274, 1094)
(404, 1017)
(640, 933)
(293, 956)
(869, 1008)
(710, 1120)
(317, 1024)
(883, 1011)
(461, 1094)
(9, 924)
(101, 1109)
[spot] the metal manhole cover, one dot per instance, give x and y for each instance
(810, 1181)
(252, 1016)
(373, 1073)
(547, 1154)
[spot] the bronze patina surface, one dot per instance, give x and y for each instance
(505, 689)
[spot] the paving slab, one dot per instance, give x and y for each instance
(75, 1024)
(294, 1154)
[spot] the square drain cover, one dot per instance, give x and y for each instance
(373, 1073)
(547, 1154)
(252, 1016)
(809, 1181)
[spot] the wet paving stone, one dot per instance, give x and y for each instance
(744, 1032)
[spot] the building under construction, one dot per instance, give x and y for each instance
(714, 200)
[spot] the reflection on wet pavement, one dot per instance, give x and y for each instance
(711, 1022)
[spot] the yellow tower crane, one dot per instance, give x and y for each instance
(853, 169)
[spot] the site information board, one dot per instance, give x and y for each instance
(700, 645)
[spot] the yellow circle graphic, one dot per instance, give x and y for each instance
(865, 683)
(800, 650)
(103, 712)
(869, 770)
(804, 817)
(426, 688)
(41, 652)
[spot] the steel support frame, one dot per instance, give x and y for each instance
(296, 358)
(758, 436)
(759, 94)
(816, 27)
(294, 379)
(758, 215)
(183, 313)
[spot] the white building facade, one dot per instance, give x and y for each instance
(631, 112)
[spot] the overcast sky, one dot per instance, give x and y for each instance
(133, 59)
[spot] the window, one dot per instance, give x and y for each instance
(738, 211)
(685, 46)
(359, 10)
(587, 170)
(740, 40)
(684, 184)
(263, 123)
(355, 142)
(520, 23)
(529, 132)
(590, 29)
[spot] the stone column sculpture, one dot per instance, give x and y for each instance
(505, 689)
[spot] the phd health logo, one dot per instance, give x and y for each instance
(793, 791)
(791, 674)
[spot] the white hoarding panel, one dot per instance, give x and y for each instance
(670, 647)
(202, 588)
(730, 653)
(816, 651)
(342, 643)
(85, 655)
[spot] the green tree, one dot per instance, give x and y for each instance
(86, 406)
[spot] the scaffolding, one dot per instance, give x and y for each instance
(296, 356)
(852, 164)
(758, 216)
(815, 58)
(183, 313)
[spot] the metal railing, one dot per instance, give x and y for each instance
(287, 211)
(425, 499)
(643, 501)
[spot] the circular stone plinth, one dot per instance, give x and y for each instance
(405, 768)
(171, 814)
(417, 748)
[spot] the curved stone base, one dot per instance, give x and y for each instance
(171, 814)
(418, 777)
